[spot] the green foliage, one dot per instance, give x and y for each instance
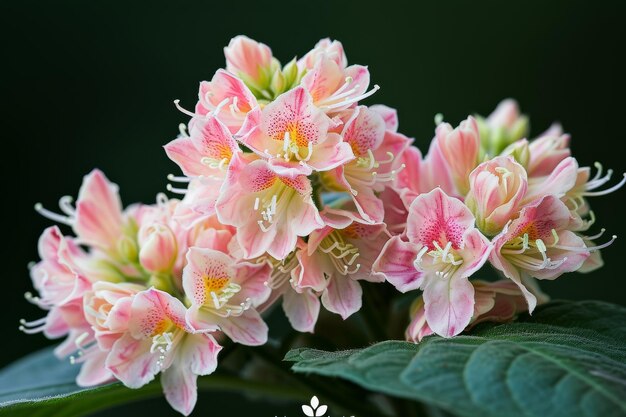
(568, 360)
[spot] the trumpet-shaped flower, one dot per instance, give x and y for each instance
(293, 135)
(207, 151)
(270, 211)
(538, 244)
(335, 259)
(377, 154)
(223, 294)
(443, 250)
(227, 97)
(159, 340)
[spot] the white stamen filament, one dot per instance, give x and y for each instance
(175, 190)
(32, 327)
(343, 98)
(281, 271)
(604, 192)
(67, 220)
(341, 253)
(182, 130)
(185, 111)
(174, 178)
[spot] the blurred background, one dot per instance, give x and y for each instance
(91, 85)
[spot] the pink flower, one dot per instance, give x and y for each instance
(207, 151)
(269, 211)
(497, 187)
(294, 136)
(499, 301)
(227, 97)
(460, 149)
(546, 152)
(442, 251)
(377, 152)
(97, 220)
(223, 294)
(251, 61)
(335, 259)
(158, 248)
(558, 183)
(60, 283)
(325, 48)
(107, 309)
(538, 244)
(159, 340)
(300, 304)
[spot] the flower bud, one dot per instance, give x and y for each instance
(107, 309)
(520, 151)
(290, 73)
(247, 58)
(127, 248)
(278, 83)
(504, 126)
(158, 248)
(496, 188)
(460, 148)
(546, 153)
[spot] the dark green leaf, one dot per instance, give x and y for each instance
(42, 385)
(569, 360)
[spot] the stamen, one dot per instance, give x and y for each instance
(221, 104)
(595, 236)
(161, 200)
(174, 190)
(174, 178)
(182, 129)
(587, 248)
(65, 203)
(33, 327)
(53, 216)
(349, 101)
(185, 111)
(607, 191)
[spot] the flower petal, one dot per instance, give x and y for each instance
(449, 304)
(396, 264)
(302, 309)
(342, 296)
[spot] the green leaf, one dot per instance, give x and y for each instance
(568, 359)
(42, 385)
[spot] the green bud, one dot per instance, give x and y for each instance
(278, 83)
(127, 249)
(290, 73)
(519, 150)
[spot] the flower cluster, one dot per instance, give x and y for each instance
(295, 192)
(486, 194)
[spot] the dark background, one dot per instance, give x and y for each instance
(88, 85)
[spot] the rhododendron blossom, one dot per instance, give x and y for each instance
(296, 192)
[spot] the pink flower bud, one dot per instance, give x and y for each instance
(107, 310)
(158, 248)
(250, 60)
(460, 148)
(496, 189)
(546, 153)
